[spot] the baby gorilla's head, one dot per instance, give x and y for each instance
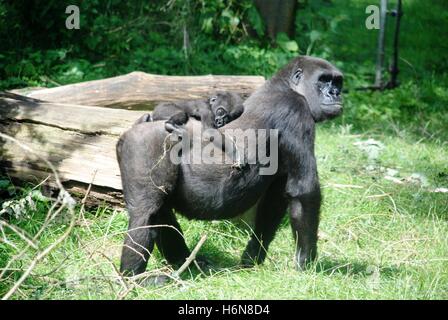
(226, 107)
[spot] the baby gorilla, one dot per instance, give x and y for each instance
(215, 112)
(225, 107)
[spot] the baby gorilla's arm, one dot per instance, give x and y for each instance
(176, 121)
(199, 110)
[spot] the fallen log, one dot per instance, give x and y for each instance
(138, 90)
(79, 140)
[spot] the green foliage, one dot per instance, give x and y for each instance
(256, 21)
(228, 20)
(287, 45)
(118, 37)
(316, 26)
(4, 184)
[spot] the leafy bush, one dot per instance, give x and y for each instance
(118, 37)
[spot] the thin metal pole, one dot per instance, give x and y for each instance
(381, 39)
(394, 67)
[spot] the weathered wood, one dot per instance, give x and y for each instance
(85, 119)
(76, 155)
(79, 140)
(138, 88)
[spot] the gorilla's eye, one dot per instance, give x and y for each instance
(213, 99)
(325, 78)
(296, 76)
(338, 82)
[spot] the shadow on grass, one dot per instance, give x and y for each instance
(216, 259)
(330, 267)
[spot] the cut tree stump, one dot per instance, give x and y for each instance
(79, 140)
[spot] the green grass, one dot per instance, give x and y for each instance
(378, 239)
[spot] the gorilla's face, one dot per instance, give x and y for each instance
(220, 111)
(225, 106)
(321, 84)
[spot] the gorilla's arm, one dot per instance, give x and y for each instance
(205, 115)
(236, 112)
(174, 113)
(302, 184)
(178, 114)
(165, 111)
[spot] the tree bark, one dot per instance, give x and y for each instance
(139, 90)
(278, 15)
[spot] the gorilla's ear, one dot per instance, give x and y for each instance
(297, 76)
(237, 111)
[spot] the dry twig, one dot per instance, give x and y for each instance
(191, 258)
(63, 201)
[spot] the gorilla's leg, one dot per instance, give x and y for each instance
(138, 243)
(304, 214)
(148, 177)
(170, 240)
(270, 211)
(145, 210)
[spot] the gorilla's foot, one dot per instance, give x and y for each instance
(305, 259)
(204, 264)
(253, 254)
(249, 261)
(246, 264)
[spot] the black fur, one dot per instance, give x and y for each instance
(215, 112)
(153, 186)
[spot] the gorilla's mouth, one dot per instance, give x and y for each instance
(332, 103)
(329, 105)
(336, 105)
(220, 122)
(332, 108)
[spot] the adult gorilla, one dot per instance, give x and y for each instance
(305, 91)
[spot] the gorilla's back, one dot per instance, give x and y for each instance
(203, 190)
